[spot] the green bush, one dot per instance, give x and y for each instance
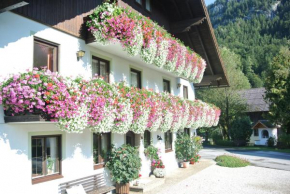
(216, 137)
(283, 141)
(240, 130)
(151, 152)
(124, 163)
(183, 147)
(231, 161)
(271, 142)
(224, 143)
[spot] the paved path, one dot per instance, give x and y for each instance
(222, 180)
(266, 159)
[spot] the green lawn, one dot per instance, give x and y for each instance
(231, 161)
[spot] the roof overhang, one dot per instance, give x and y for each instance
(8, 5)
(190, 23)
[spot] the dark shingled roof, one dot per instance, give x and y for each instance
(255, 99)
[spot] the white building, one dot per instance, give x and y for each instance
(29, 36)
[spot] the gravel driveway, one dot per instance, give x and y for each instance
(222, 180)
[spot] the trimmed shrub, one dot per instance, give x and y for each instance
(283, 141)
(271, 142)
(231, 161)
(241, 131)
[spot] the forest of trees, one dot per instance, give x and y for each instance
(256, 30)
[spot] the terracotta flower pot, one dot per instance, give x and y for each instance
(122, 188)
(185, 164)
(191, 161)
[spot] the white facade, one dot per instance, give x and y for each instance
(260, 139)
(16, 54)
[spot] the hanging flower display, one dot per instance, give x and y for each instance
(76, 104)
(140, 35)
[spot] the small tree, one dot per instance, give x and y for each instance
(241, 130)
(183, 147)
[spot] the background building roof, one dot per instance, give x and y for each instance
(255, 99)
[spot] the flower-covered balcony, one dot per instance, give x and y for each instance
(130, 35)
(77, 104)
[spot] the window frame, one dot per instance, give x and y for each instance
(170, 140)
(99, 70)
(140, 4)
(102, 164)
(139, 77)
(47, 43)
(185, 94)
(169, 86)
(58, 175)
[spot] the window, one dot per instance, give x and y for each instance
(147, 138)
(256, 132)
(101, 146)
(166, 86)
(187, 131)
(148, 5)
(136, 78)
(101, 67)
(130, 138)
(168, 141)
(46, 157)
(185, 92)
(45, 54)
(265, 134)
(139, 1)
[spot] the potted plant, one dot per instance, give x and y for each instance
(124, 163)
(159, 168)
(196, 147)
(183, 148)
(50, 165)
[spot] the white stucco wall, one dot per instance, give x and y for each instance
(259, 140)
(16, 55)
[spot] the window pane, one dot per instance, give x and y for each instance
(103, 71)
(37, 156)
(185, 92)
(166, 86)
(168, 140)
(105, 141)
(139, 1)
(147, 138)
(148, 5)
(44, 56)
(95, 67)
(52, 159)
(130, 138)
(134, 79)
(96, 148)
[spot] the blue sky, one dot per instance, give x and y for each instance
(207, 2)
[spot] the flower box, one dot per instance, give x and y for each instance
(23, 118)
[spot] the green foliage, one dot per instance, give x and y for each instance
(151, 152)
(196, 144)
(283, 141)
(228, 99)
(124, 163)
(183, 147)
(241, 129)
(271, 142)
(277, 84)
(216, 136)
(253, 30)
(231, 161)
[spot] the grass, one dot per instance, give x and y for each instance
(231, 161)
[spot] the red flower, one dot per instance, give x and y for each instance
(37, 76)
(49, 84)
(140, 175)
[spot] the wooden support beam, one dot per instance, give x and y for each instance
(203, 48)
(8, 5)
(185, 25)
(210, 78)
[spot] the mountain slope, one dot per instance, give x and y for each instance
(254, 29)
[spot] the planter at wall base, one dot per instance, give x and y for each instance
(23, 118)
(122, 188)
(185, 164)
(180, 164)
(159, 172)
(191, 162)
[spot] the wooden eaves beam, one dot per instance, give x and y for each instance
(8, 5)
(185, 25)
